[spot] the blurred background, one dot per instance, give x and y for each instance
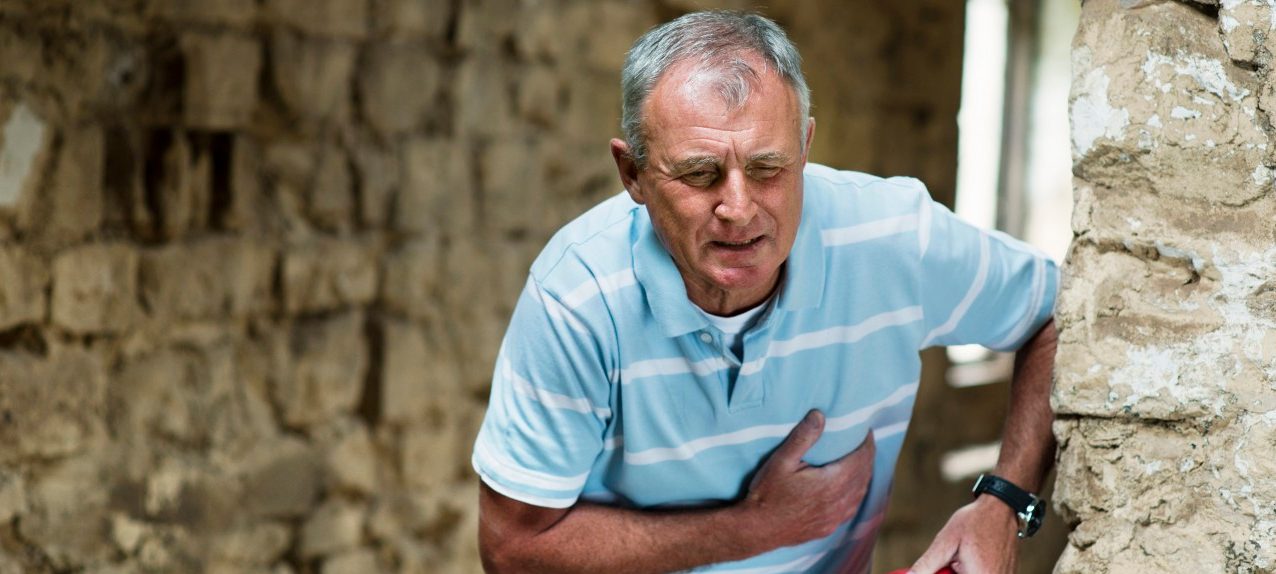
(256, 256)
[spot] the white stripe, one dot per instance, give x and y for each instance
(890, 430)
(512, 471)
(606, 284)
(694, 447)
(533, 499)
(799, 565)
(975, 288)
(551, 399)
(555, 309)
(671, 366)
(923, 225)
(862, 415)
(613, 443)
(1038, 294)
(803, 342)
(834, 336)
(869, 231)
(691, 448)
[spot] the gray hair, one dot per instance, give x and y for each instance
(720, 41)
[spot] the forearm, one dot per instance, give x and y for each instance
(594, 538)
(1028, 445)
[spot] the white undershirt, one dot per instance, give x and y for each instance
(733, 328)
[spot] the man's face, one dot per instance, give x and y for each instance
(723, 187)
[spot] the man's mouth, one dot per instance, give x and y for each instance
(738, 245)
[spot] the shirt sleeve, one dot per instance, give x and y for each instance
(978, 286)
(549, 404)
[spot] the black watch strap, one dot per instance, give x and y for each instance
(1016, 497)
(1027, 506)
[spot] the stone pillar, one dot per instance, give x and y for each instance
(1166, 380)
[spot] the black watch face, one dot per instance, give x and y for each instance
(1035, 517)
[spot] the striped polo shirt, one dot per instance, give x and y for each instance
(611, 386)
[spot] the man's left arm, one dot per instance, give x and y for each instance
(983, 535)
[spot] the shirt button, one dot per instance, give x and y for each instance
(705, 337)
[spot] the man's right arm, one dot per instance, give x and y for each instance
(789, 502)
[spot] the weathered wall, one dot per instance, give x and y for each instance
(256, 256)
(1167, 364)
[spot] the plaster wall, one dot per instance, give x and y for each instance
(1167, 355)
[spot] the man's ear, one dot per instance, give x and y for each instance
(810, 137)
(628, 169)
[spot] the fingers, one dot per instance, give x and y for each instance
(801, 438)
(942, 552)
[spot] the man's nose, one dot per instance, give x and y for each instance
(736, 205)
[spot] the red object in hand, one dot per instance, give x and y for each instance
(944, 570)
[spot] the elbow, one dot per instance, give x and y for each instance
(498, 563)
(501, 555)
(508, 535)
(496, 558)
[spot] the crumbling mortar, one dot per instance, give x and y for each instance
(1151, 251)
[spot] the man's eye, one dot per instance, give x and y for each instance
(699, 178)
(764, 172)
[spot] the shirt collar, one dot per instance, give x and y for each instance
(802, 284)
(658, 274)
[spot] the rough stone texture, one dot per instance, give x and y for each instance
(95, 289)
(256, 257)
(356, 562)
(207, 278)
(413, 279)
(352, 462)
(330, 362)
(397, 86)
(1165, 377)
(51, 406)
(312, 76)
(23, 280)
(226, 12)
(71, 207)
(221, 80)
(327, 274)
(280, 479)
(340, 18)
(437, 191)
(335, 526)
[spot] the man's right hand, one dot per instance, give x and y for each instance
(791, 502)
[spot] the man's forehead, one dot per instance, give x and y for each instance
(695, 78)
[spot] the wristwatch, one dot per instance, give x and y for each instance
(1030, 509)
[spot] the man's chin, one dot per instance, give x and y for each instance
(745, 279)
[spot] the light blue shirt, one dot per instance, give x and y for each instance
(611, 386)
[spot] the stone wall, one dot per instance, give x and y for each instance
(256, 256)
(1165, 390)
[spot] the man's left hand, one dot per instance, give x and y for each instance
(980, 538)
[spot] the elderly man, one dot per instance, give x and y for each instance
(715, 369)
